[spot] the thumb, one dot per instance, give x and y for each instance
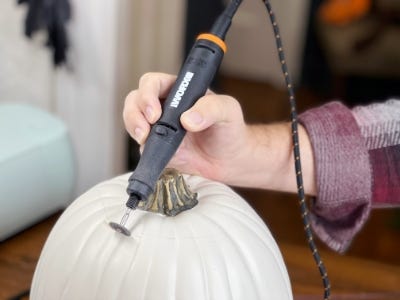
(193, 120)
(209, 110)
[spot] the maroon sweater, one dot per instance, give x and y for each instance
(357, 160)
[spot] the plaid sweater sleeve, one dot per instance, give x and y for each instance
(357, 160)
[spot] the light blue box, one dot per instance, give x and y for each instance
(36, 167)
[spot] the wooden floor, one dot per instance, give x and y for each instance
(18, 258)
(379, 241)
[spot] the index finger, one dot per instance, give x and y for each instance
(152, 88)
(156, 85)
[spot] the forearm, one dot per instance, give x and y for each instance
(269, 160)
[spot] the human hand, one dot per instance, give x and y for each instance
(216, 137)
(219, 145)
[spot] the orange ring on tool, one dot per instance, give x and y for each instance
(213, 38)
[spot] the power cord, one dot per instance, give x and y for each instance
(296, 151)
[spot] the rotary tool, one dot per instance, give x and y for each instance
(167, 133)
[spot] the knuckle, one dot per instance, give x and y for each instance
(232, 103)
(228, 108)
(146, 98)
(129, 104)
(149, 77)
(125, 116)
(130, 98)
(145, 77)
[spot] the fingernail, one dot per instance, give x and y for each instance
(149, 113)
(194, 118)
(138, 134)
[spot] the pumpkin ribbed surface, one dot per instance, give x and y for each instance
(220, 249)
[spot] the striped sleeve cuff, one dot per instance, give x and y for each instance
(343, 171)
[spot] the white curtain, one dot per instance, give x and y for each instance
(26, 73)
(112, 44)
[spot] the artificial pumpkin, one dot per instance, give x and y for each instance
(219, 249)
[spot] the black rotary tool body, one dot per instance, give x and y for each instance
(192, 82)
(167, 133)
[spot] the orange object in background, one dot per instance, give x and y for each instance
(342, 12)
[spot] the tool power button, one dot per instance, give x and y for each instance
(161, 130)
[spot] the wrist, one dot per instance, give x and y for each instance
(268, 161)
(272, 155)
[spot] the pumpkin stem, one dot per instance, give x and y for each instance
(171, 195)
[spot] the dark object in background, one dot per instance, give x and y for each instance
(315, 73)
(338, 60)
(50, 15)
(200, 16)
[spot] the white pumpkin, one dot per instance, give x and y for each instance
(220, 249)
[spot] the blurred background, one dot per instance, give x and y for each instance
(75, 61)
